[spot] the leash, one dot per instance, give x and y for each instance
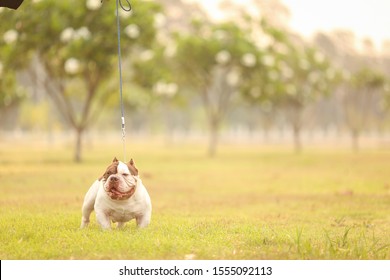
(126, 9)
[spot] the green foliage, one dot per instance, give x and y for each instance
(10, 93)
(366, 94)
(71, 30)
(77, 42)
(289, 72)
(366, 78)
(37, 116)
(207, 48)
(151, 67)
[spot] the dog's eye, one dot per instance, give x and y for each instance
(126, 175)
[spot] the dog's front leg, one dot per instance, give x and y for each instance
(103, 220)
(85, 216)
(143, 221)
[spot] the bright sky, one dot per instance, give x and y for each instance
(366, 18)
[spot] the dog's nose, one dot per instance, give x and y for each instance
(114, 179)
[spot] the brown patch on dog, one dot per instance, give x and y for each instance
(132, 168)
(111, 169)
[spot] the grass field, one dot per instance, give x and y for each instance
(247, 203)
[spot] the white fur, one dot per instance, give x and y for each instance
(138, 206)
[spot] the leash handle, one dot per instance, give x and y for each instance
(123, 7)
(128, 4)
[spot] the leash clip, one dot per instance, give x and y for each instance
(123, 128)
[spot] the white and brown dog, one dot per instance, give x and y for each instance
(118, 196)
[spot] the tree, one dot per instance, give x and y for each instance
(313, 78)
(364, 89)
(76, 44)
(361, 100)
(209, 62)
(290, 75)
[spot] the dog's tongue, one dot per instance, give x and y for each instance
(112, 187)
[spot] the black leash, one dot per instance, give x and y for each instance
(126, 9)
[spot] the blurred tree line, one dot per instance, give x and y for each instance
(249, 69)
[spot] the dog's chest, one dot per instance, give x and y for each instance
(120, 214)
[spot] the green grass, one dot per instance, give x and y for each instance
(247, 203)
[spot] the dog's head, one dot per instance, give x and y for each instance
(120, 179)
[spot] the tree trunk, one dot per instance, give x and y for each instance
(296, 122)
(213, 140)
(355, 141)
(297, 139)
(78, 147)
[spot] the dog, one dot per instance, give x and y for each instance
(118, 196)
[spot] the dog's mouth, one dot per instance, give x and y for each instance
(114, 192)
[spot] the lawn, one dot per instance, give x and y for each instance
(247, 203)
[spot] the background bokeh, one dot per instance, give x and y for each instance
(260, 128)
(201, 71)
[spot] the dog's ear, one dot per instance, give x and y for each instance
(111, 169)
(132, 168)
